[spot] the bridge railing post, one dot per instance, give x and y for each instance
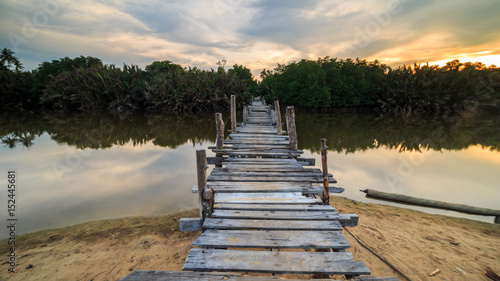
(233, 114)
(278, 116)
(290, 126)
(219, 142)
(245, 114)
(326, 185)
(205, 193)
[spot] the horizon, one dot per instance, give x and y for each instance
(255, 34)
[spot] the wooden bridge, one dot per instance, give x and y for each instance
(262, 210)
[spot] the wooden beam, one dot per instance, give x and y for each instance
(233, 114)
(290, 121)
(278, 116)
(191, 224)
(205, 193)
(326, 189)
(274, 262)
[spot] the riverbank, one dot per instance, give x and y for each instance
(416, 243)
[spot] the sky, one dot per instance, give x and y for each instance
(254, 33)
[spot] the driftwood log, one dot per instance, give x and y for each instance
(433, 203)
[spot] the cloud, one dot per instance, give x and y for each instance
(258, 33)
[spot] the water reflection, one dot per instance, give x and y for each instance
(351, 132)
(80, 167)
(452, 160)
(97, 130)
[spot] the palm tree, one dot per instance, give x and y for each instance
(7, 56)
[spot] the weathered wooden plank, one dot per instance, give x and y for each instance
(234, 187)
(250, 140)
(375, 278)
(270, 154)
(256, 131)
(272, 239)
(250, 146)
(274, 262)
(274, 207)
(265, 198)
(256, 150)
(267, 170)
(274, 215)
(267, 187)
(191, 224)
(343, 219)
(263, 166)
(262, 161)
(154, 275)
(240, 224)
(258, 136)
(312, 179)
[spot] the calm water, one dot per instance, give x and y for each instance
(83, 167)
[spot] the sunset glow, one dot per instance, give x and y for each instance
(258, 34)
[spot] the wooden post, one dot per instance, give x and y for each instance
(219, 142)
(233, 114)
(326, 188)
(245, 114)
(220, 131)
(206, 194)
(278, 116)
(290, 126)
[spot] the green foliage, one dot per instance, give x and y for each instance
(456, 87)
(243, 74)
(7, 59)
(101, 87)
(46, 71)
(16, 89)
(194, 89)
(324, 83)
(163, 66)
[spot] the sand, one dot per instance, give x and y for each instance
(416, 243)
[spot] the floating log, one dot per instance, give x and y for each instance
(432, 203)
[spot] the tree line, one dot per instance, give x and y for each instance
(85, 83)
(331, 82)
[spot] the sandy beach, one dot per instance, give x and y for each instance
(416, 243)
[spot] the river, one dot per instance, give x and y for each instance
(73, 168)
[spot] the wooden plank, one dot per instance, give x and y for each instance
(234, 187)
(267, 170)
(265, 198)
(250, 140)
(191, 224)
(274, 207)
(250, 146)
(262, 166)
(258, 136)
(274, 262)
(312, 179)
(243, 187)
(154, 275)
(272, 239)
(256, 150)
(262, 161)
(343, 219)
(263, 154)
(274, 215)
(237, 224)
